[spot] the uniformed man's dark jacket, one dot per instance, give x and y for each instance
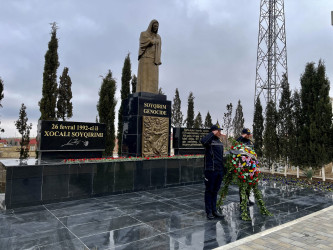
(213, 152)
(245, 141)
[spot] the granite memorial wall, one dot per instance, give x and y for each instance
(40, 184)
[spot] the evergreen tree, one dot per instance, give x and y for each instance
(285, 120)
(24, 129)
(320, 137)
(134, 81)
(125, 91)
(47, 104)
(190, 111)
(106, 110)
(258, 128)
(316, 133)
(1, 97)
(64, 104)
(227, 120)
(198, 121)
(296, 151)
(270, 143)
(308, 78)
(176, 113)
(238, 121)
(208, 121)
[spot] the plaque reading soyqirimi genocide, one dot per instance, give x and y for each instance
(154, 108)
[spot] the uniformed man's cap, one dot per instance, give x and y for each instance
(215, 127)
(246, 131)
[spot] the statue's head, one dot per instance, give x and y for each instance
(153, 26)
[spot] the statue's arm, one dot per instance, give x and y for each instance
(145, 41)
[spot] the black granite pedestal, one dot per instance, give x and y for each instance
(135, 107)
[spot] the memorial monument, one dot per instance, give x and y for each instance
(149, 59)
(146, 114)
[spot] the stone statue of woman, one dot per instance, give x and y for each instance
(149, 59)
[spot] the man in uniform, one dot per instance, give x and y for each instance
(245, 137)
(213, 170)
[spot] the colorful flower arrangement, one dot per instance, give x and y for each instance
(242, 167)
(245, 164)
(110, 159)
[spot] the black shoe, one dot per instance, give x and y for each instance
(218, 215)
(210, 216)
(250, 203)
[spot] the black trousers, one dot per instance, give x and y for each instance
(213, 180)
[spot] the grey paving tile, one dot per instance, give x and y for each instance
(172, 192)
(94, 216)
(119, 197)
(207, 235)
(81, 208)
(93, 228)
(26, 241)
(169, 222)
(154, 207)
(121, 236)
(73, 244)
(28, 223)
(132, 202)
(71, 204)
(157, 242)
(24, 210)
(178, 206)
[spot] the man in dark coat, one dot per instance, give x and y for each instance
(213, 170)
(245, 137)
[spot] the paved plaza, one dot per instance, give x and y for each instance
(172, 218)
(313, 231)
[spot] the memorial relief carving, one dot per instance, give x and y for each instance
(155, 133)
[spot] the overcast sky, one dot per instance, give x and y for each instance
(209, 47)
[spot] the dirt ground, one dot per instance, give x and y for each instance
(13, 152)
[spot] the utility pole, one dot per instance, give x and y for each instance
(271, 52)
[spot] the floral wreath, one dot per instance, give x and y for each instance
(242, 167)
